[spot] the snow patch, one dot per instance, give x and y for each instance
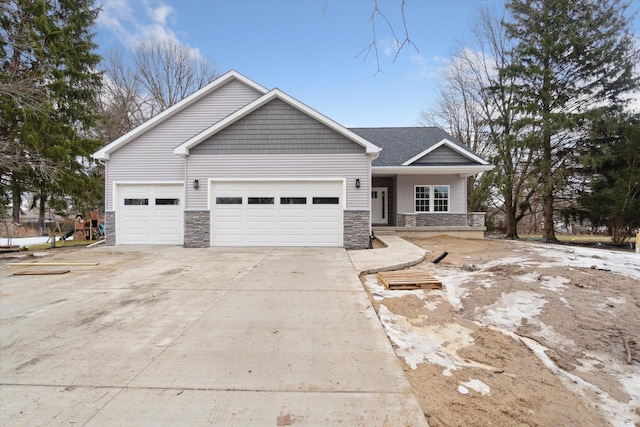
(436, 344)
(512, 307)
(477, 386)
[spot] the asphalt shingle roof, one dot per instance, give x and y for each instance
(400, 144)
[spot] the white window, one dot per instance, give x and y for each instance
(432, 198)
(423, 193)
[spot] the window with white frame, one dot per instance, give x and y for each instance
(432, 198)
(441, 198)
(423, 193)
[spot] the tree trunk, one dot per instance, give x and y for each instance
(16, 198)
(42, 201)
(548, 233)
(510, 214)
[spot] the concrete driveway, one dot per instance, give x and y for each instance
(174, 336)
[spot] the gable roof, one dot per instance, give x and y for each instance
(402, 146)
(104, 152)
(183, 149)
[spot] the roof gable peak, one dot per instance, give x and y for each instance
(104, 153)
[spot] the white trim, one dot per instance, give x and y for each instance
(432, 198)
(104, 152)
(461, 171)
(451, 145)
(183, 149)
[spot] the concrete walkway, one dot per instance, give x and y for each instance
(397, 254)
(172, 336)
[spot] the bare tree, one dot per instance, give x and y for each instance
(169, 71)
(159, 74)
(476, 105)
(400, 43)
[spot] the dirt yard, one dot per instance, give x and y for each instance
(522, 334)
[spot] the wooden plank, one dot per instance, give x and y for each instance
(40, 272)
(409, 280)
(50, 264)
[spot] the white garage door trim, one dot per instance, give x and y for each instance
(277, 212)
(149, 213)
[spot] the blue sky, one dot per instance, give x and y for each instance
(309, 48)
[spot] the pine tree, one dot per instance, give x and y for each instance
(51, 41)
(573, 60)
(611, 169)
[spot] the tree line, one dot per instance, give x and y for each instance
(541, 92)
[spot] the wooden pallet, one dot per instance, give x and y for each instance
(409, 279)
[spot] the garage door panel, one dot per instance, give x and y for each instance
(158, 221)
(292, 220)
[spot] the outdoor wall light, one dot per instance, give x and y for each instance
(196, 184)
(357, 182)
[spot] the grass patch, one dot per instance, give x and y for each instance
(60, 244)
(575, 239)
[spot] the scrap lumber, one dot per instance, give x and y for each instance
(40, 272)
(627, 349)
(409, 279)
(50, 264)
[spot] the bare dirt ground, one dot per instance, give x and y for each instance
(522, 334)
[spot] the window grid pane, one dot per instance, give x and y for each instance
(422, 198)
(441, 199)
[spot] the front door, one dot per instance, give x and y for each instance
(379, 214)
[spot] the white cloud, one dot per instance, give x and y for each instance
(160, 13)
(132, 27)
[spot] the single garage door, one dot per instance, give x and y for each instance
(281, 213)
(150, 214)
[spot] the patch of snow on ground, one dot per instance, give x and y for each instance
(624, 263)
(555, 283)
(618, 414)
(452, 289)
(433, 343)
(478, 386)
(512, 307)
(24, 241)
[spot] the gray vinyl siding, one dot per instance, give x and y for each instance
(457, 191)
(277, 128)
(338, 166)
(443, 155)
(150, 157)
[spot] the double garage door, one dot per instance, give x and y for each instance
(150, 214)
(243, 213)
(277, 213)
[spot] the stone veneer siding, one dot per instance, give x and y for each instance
(356, 229)
(406, 220)
(110, 228)
(440, 219)
(197, 229)
(476, 219)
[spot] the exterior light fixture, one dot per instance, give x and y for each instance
(196, 184)
(357, 182)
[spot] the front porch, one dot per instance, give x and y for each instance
(393, 208)
(464, 232)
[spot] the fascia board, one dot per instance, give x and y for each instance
(103, 153)
(451, 145)
(183, 149)
(462, 171)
